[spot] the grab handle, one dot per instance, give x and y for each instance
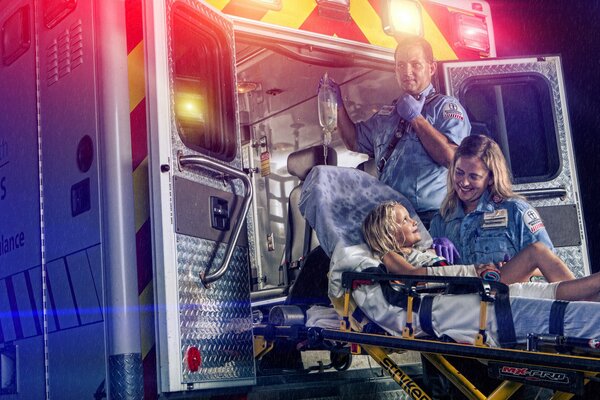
(198, 160)
(542, 194)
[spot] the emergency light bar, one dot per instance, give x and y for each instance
(402, 17)
(471, 33)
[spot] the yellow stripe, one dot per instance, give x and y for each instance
(293, 13)
(140, 194)
(218, 4)
(147, 319)
(135, 72)
(440, 45)
(370, 24)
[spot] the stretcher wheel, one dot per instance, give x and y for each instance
(340, 360)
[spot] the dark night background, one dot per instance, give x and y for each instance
(570, 29)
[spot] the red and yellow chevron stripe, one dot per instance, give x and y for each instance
(364, 25)
(137, 110)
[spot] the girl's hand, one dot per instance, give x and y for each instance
(488, 271)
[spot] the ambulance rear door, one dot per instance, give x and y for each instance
(521, 104)
(199, 199)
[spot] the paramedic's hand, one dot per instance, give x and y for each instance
(409, 108)
(335, 87)
(445, 248)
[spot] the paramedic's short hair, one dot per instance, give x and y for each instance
(380, 227)
(491, 156)
(416, 41)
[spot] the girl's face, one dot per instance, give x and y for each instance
(470, 180)
(407, 233)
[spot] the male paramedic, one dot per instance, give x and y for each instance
(413, 140)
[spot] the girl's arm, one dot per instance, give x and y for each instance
(396, 264)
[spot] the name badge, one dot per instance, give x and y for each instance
(495, 219)
(386, 110)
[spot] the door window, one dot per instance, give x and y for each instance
(517, 113)
(204, 101)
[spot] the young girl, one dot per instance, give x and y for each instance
(391, 234)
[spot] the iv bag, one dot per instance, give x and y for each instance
(327, 100)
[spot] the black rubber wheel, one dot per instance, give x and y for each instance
(340, 360)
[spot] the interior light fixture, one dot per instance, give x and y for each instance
(246, 87)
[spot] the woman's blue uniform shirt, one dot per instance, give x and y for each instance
(410, 170)
(478, 243)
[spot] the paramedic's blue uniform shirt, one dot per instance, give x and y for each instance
(410, 170)
(478, 243)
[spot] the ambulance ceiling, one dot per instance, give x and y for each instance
(277, 95)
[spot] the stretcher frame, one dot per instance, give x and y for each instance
(567, 374)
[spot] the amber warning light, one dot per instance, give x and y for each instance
(402, 17)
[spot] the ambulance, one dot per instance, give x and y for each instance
(144, 187)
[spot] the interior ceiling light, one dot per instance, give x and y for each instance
(401, 17)
(336, 9)
(246, 87)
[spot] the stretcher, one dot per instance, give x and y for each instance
(521, 341)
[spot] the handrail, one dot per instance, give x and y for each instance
(197, 160)
(545, 193)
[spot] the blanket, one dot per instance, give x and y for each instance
(336, 200)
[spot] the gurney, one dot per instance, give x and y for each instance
(521, 340)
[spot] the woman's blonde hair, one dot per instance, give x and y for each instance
(491, 156)
(380, 227)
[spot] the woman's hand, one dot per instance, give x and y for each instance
(445, 248)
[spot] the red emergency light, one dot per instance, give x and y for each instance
(471, 33)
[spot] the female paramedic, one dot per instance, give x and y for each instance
(391, 234)
(482, 220)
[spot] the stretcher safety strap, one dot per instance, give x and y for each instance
(425, 315)
(506, 327)
(557, 317)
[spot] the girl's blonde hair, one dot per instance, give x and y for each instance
(491, 156)
(380, 227)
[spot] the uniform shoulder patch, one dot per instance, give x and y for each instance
(532, 220)
(452, 110)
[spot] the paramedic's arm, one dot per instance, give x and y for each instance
(531, 226)
(450, 126)
(396, 264)
(439, 147)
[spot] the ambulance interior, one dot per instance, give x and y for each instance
(277, 95)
